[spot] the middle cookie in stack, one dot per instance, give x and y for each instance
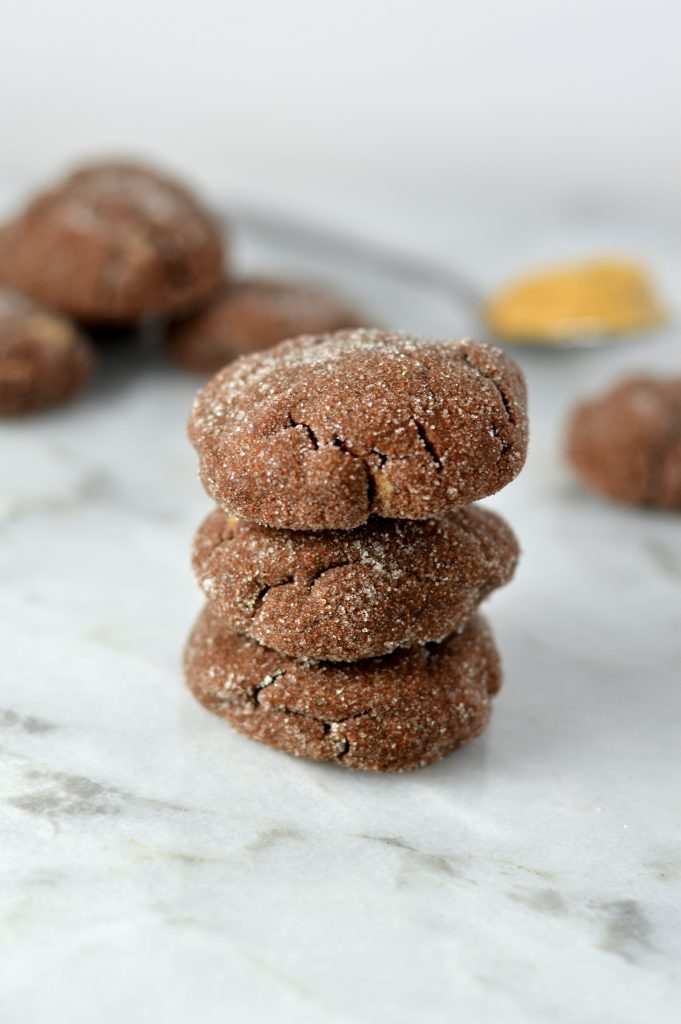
(343, 628)
(342, 595)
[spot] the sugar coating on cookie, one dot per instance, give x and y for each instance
(343, 595)
(44, 359)
(252, 315)
(323, 431)
(113, 243)
(626, 443)
(405, 710)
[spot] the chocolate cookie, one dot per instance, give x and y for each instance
(342, 595)
(404, 710)
(113, 243)
(44, 359)
(252, 315)
(626, 444)
(321, 432)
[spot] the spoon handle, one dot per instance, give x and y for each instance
(451, 284)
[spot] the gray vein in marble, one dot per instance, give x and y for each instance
(10, 719)
(272, 837)
(626, 929)
(664, 558)
(547, 901)
(453, 864)
(55, 794)
(61, 794)
(666, 868)
(438, 862)
(94, 485)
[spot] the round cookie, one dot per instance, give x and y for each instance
(252, 315)
(323, 431)
(342, 595)
(113, 243)
(626, 443)
(405, 710)
(44, 359)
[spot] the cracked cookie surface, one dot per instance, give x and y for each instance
(626, 443)
(113, 243)
(323, 431)
(405, 710)
(251, 315)
(349, 594)
(44, 359)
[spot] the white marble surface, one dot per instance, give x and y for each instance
(156, 866)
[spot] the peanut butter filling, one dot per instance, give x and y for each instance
(575, 302)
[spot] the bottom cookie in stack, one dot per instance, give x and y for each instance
(402, 710)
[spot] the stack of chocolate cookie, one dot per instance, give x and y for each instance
(345, 562)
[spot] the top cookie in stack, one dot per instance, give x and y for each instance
(322, 432)
(345, 566)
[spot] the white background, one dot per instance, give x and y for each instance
(412, 99)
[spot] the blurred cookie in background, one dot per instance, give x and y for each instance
(44, 358)
(251, 315)
(114, 243)
(626, 444)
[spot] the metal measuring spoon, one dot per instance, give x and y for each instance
(454, 286)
